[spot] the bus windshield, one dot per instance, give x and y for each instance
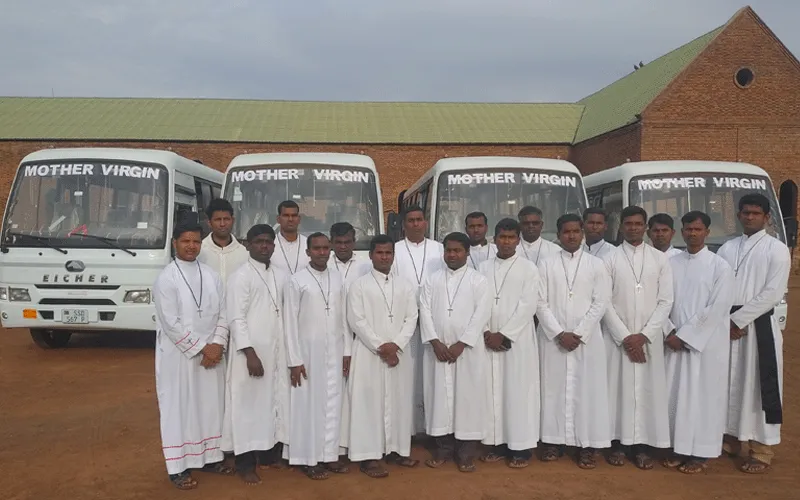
(501, 193)
(716, 194)
(114, 200)
(325, 196)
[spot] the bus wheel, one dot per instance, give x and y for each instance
(49, 339)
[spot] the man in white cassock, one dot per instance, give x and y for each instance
(477, 225)
(576, 291)
(512, 378)
(633, 328)
(190, 370)
(318, 345)
(595, 225)
(258, 379)
(290, 245)
(454, 309)
(761, 265)
(415, 258)
(660, 231)
(221, 251)
(382, 311)
(698, 347)
(532, 246)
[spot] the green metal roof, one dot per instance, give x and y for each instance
(618, 104)
(286, 121)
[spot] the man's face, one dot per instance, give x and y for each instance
(752, 218)
(570, 236)
(660, 235)
(506, 241)
(382, 257)
(221, 223)
(695, 233)
(595, 227)
(261, 248)
(187, 246)
(633, 228)
(415, 225)
(531, 226)
(289, 219)
(343, 246)
(476, 230)
(455, 255)
(319, 251)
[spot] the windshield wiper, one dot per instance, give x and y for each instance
(108, 241)
(42, 240)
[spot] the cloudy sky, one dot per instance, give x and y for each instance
(404, 50)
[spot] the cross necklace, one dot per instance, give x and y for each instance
(424, 253)
(271, 297)
(447, 289)
(538, 252)
(633, 271)
(297, 258)
(325, 298)
(474, 265)
(498, 290)
(347, 267)
(744, 257)
(198, 303)
(570, 286)
(389, 307)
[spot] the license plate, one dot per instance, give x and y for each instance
(75, 316)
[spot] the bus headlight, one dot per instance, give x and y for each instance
(3, 293)
(137, 297)
(18, 295)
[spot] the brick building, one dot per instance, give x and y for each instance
(732, 94)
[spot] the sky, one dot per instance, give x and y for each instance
(350, 50)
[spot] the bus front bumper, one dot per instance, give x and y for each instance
(78, 317)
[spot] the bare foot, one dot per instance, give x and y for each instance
(250, 477)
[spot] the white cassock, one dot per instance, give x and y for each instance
(290, 256)
(317, 337)
(257, 411)
(478, 254)
(380, 397)
(576, 291)
(641, 301)
(761, 272)
(223, 260)
(672, 252)
(512, 381)
(454, 306)
(414, 262)
(538, 250)
(190, 398)
(599, 249)
(697, 387)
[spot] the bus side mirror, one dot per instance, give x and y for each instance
(393, 226)
(790, 223)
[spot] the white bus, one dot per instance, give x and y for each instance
(498, 186)
(676, 187)
(328, 188)
(86, 232)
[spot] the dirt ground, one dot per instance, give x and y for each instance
(83, 423)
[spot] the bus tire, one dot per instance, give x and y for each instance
(50, 339)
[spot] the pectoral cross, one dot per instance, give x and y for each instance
(327, 310)
(638, 287)
(390, 317)
(570, 295)
(449, 311)
(497, 300)
(277, 311)
(199, 313)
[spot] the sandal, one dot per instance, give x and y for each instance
(315, 472)
(337, 467)
(518, 463)
(672, 462)
(616, 458)
(183, 481)
(219, 468)
(753, 466)
(550, 454)
(692, 467)
(643, 461)
(373, 469)
(435, 463)
(491, 457)
(396, 459)
(586, 459)
(465, 464)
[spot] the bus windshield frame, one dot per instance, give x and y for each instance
(677, 194)
(326, 194)
(57, 201)
(554, 192)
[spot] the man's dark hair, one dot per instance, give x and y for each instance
(260, 229)
(475, 215)
(529, 210)
(568, 218)
(459, 238)
(631, 211)
(696, 215)
(663, 219)
(594, 211)
(188, 226)
(411, 209)
(219, 205)
(288, 204)
(313, 236)
(381, 239)
(506, 224)
(755, 199)
(342, 229)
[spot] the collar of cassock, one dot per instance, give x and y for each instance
(380, 276)
(230, 247)
(634, 248)
(412, 244)
(754, 235)
(698, 254)
(458, 271)
(576, 253)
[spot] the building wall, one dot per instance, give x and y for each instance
(608, 150)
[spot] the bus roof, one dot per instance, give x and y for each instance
(628, 170)
(167, 158)
(337, 159)
(481, 162)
